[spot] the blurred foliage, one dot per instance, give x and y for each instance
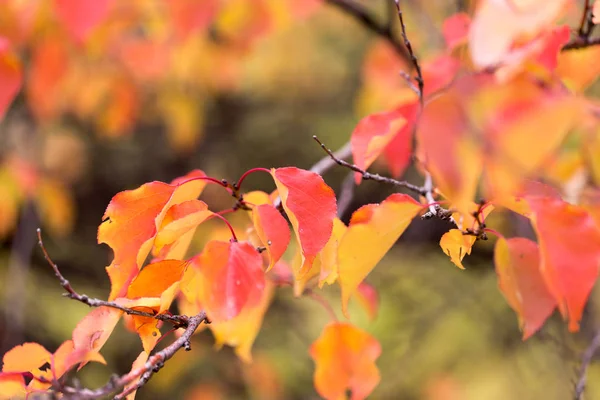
(445, 334)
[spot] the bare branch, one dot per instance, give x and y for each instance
(154, 364)
(585, 30)
(177, 320)
(411, 53)
(367, 175)
(586, 360)
(580, 43)
(327, 162)
(346, 195)
(361, 15)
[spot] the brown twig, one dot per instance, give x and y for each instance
(324, 164)
(346, 195)
(385, 31)
(177, 320)
(585, 30)
(369, 176)
(154, 364)
(586, 360)
(579, 43)
(411, 53)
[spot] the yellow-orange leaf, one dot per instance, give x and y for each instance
(579, 68)
(136, 215)
(12, 385)
(345, 361)
(241, 331)
(25, 358)
(456, 246)
(95, 328)
(138, 363)
(311, 207)
(373, 230)
(522, 284)
(328, 257)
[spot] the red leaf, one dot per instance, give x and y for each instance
(82, 16)
(11, 76)
(273, 231)
(439, 72)
(345, 359)
(371, 136)
(569, 244)
(311, 207)
(232, 277)
(189, 16)
(517, 263)
(399, 150)
(456, 29)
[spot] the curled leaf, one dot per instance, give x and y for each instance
(456, 246)
(311, 207)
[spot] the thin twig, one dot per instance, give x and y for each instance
(411, 53)
(579, 43)
(361, 15)
(367, 175)
(586, 360)
(324, 164)
(154, 364)
(178, 320)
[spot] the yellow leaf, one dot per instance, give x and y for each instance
(456, 245)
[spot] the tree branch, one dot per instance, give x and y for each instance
(413, 58)
(367, 175)
(362, 16)
(586, 360)
(584, 32)
(177, 320)
(580, 43)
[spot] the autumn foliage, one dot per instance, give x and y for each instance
(484, 121)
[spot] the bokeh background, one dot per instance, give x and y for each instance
(148, 95)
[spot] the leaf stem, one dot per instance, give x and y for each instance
(238, 184)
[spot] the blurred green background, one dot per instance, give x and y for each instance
(445, 333)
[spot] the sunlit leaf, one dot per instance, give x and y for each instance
(328, 258)
(517, 263)
(157, 280)
(456, 246)
(569, 243)
(25, 357)
(136, 215)
(345, 361)
(373, 230)
(190, 16)
(577, 68)
(232, 277)
(311, 207)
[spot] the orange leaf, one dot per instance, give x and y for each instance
(345, 360)
(456, 29)
(157, 280)
(95, 328)
(136, 215)
(273, 231)
(456, 246)
(148, 329)
(371, 136)
(522, 284)
(311, 207)
(80, 17)
(178, 227)
(372, 232)
(569, 242)
(25, 358)
(232, 277)
(11, 77)
(368, 298)
(578, 68)
(241, 331)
